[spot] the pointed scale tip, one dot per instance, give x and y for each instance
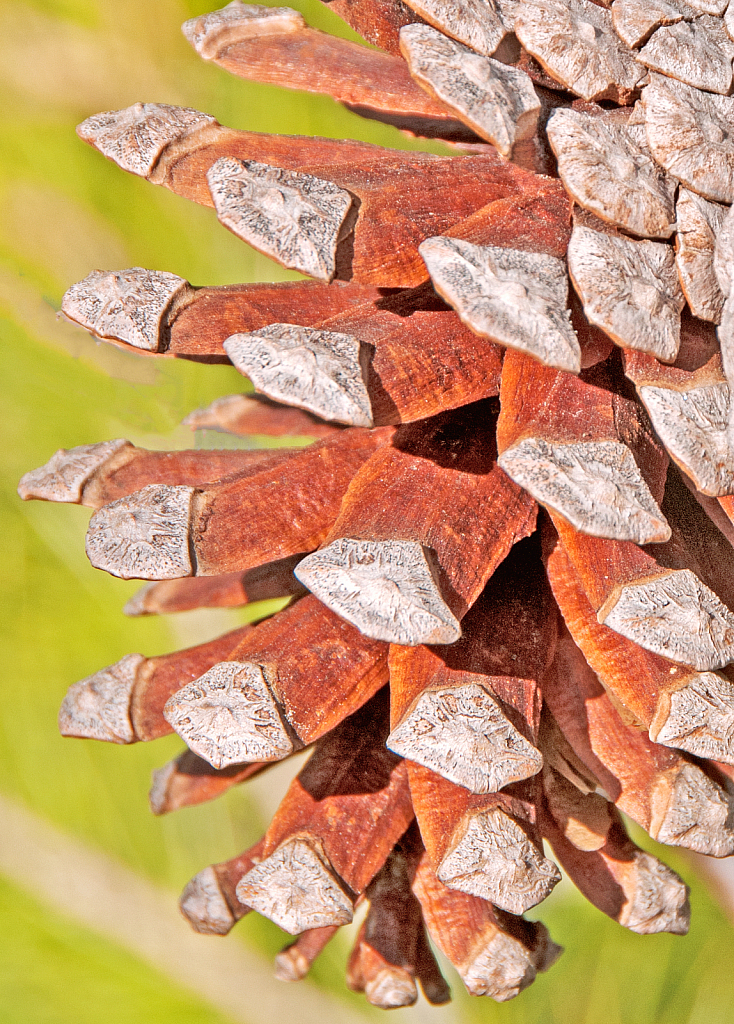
(660, 902)
(319, 371)
(229, 716)
(385, 588)
(211, 34)
(461, 733)
(496, 861)
(690, 810)
(203, 905)
(132, 306)
(98, 707)
(63, 477)
(296, 889)
(596, 485)
(136, 136)
(391, 988)
(144, 535)
(698, 717)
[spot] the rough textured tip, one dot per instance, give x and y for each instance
(63, 477)
(675, 615)
(479, 24)
(391, 988)
(635, 20)
(126, 305)
(630, 289)
(608, 169)
(213, 33)
(204, 906)
(575, 42)
(515, 298)
(98, 707)
(698, 717)
(693, 426)
(291, 965)
(723, 243)
(690, 134)
(699, 223)
(461, 733)
(500, 968)
(144, 535)
(136, 136)
(692, 811)
(496, 861)
(320, 371)
(596, 485)
(697, 52)
(497, 101)
(659, 902)
(229, 716)
(294, 217)
(136, 605)
(296, 889)
(159, 792)
(383, 587)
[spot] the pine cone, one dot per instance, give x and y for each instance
(509, 548)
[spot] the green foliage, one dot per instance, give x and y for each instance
(54, 972)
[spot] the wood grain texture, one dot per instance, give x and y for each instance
(488, 845)
(285, 510)
(232, 590)
(608, 169)
(630, 289)
(496, 954)
(421, 360)
(438, 485)
(470, 711)
(212, 315)
(434, 192)
(209, 902)
(672, 799)
(245, 415)
(97, 474)
(391, 952)
(681, 123)
(377, 21)
(293, 679)
(693, 711)
(349, 805)
(497, 101)
(581, 450)
(516, 298)
(189, 780)
(576, 44)
(632, 887)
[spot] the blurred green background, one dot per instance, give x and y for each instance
(65, 211)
